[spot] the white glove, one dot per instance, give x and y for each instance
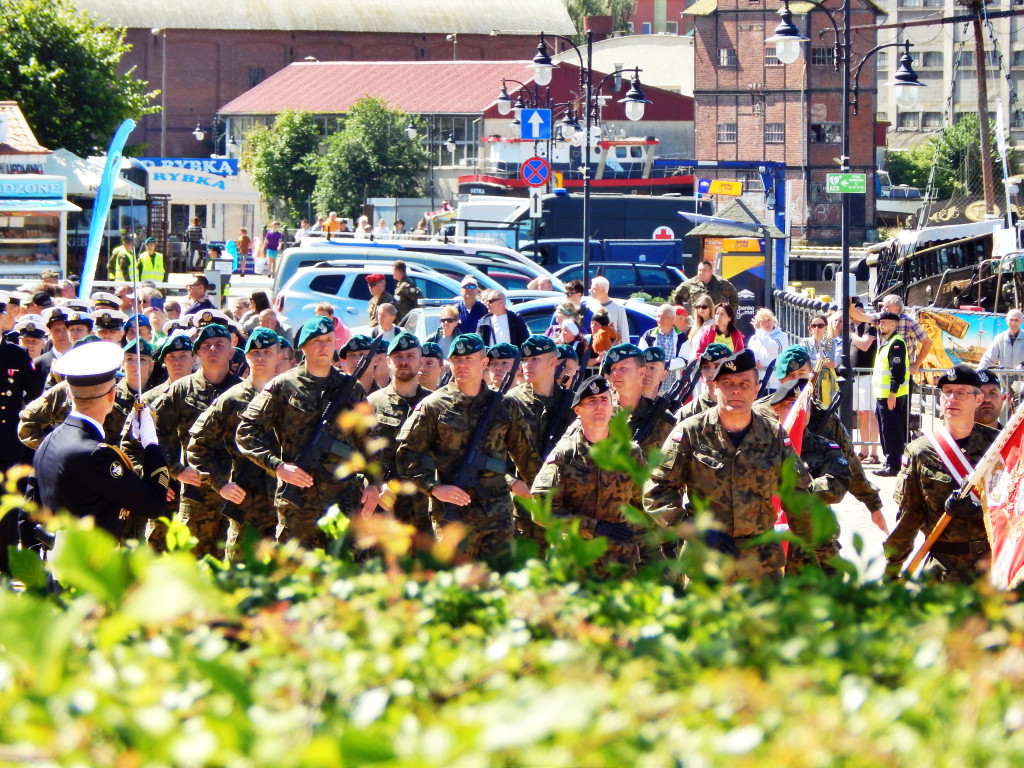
(143, 428)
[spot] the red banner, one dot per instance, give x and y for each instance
(1003, 500)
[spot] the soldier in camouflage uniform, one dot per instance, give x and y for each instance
(624, 366)
(925, 488)
(247, 490)
(378, 296)
(392, 406)
(431, 365)
(407, 295)
(500, 359)
(356, 349)
(175, 412)
(435, 439)
(539, 397)
(730, 461)
(826, 464)
(705, 282)
(581, 489)
(710, 359)
(138, 361)
(281, 420)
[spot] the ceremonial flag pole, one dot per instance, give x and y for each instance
(101, 206)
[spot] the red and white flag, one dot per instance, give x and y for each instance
(999, 475)
(794, 424)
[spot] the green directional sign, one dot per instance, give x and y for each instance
(847, 184)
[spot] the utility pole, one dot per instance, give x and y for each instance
(980, 62)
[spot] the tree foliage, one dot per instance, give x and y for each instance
(370, 157)
(61, 66)
(621, 12)
(281, 160)
(956, 154)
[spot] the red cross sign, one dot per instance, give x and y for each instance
(664, 233)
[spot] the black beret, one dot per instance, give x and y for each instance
(738, 363)
(595, 385)
(960, 374)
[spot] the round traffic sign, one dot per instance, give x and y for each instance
(535, 172)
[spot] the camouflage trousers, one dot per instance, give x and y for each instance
(963, 569)
(257, 513)
(754, 563)
(489, 529)
(412, 509)
(299, 523)
(797, 558)
(156, 532)
(205, 522)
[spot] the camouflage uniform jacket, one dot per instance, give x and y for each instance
(433, 442)
(407, 298)
(922, 488)
(281, 419)
(376, 301)
(391, 410)
(697, 405)
(582, 489)
(42, 415)
(177, 410)
(828, 467)
(214, 431)
(538, 413)
(718, 289)
(734, 484)
(656, 439)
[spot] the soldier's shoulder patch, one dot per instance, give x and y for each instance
(834, 446)
(677, 436)
(905, 460)
(786, 441)
(897, 359)
(268, 385)
(116, 469)
(841, 461)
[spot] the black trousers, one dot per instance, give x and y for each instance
(892, 430)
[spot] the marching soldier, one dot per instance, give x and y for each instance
(581, 489)
(435, 440)
(354, 350)
(729, 460)
(280, 420)
(175, 412)
(655, 372)
(710, 359)
(109, 324)
(392, 406)
(624, 366)
(21, 385)
(79, 326)
(992, 398)
(246, 488)
(500, 358)
(927, 484)
(56, 319)
(431, 365)
(75, 470)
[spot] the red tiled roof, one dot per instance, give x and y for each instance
(20, 139)
(332, 87)
(429, 87)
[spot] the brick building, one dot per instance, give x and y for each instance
(204, 53)
(748, 106)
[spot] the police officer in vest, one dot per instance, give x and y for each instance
(891, 385)
(76, 471)
(151, 263)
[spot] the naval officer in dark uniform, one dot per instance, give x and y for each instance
(76, 471)
(19, 385)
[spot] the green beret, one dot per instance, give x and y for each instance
(714, 353)
(738, 363)
(502, 351)
(538, 345)
(314, 328)
(283, 341)
(621, 352)
(86, 340)
(176, 342)
(140, 346)
(433, 349)
(402, 342)
(565, 352)
(211, 331)
(358, 343)
(593, 386)
(262, 338)
(654, 355)
(790, 359)
(466, 344)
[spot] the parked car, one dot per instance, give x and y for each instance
(537, 314)
(627, 279)
(346, 290)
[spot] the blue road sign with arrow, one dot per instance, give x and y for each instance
(535, 124)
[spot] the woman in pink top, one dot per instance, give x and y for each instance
(721, 331)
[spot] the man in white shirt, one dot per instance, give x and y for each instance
(500, 326)
(599, 299)
(1007, 348)
(387, 314)
(674, 344)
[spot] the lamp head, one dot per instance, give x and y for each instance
(410, 130)
(542, 65)
(198, 132)
(905, 82)
(634, 100)
(787, 37)
(504, 101)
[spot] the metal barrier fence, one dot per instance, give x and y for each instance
(794, 312)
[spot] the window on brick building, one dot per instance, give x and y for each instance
(1018, 59)
(727, 57)
(774, 133)
(909, 120)
(771, 59)
(822, 56)
(256, 76)
(931, 120)
(825, 133)
(931, 59)
(751, 181)
(882, 59)
(727, 133)
(672, 27)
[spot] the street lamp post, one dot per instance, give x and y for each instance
(229, 141)
(633, 103)
(788, 41)
(450, 146)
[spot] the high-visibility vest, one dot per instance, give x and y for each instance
(152, 267)
(881, 376)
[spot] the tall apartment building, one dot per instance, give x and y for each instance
(749, 106)
(945, 62)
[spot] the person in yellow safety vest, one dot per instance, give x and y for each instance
(151, 263)
(121, 259)
(890, 382)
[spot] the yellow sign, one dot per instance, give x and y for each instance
(733, 265)
(558, 180)
(741, 245)
(733, 188)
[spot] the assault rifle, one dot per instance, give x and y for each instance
(321, 444)
(763, 389)
(670, 401)
(475, 460)
(562, 407)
